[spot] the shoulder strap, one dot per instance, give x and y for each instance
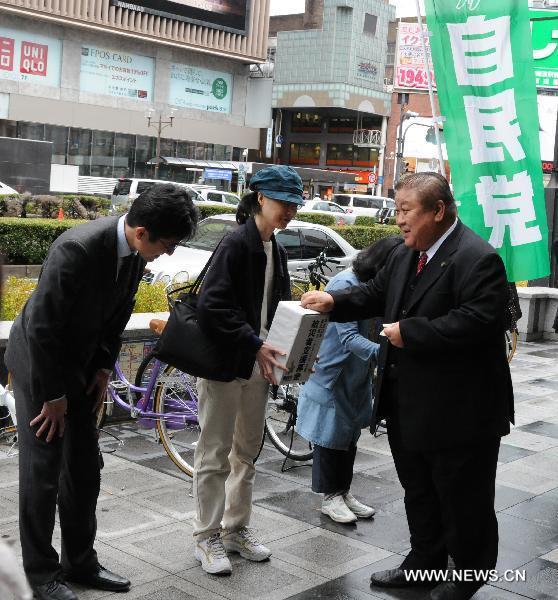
(199, 280)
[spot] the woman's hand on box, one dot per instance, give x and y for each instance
(267, 361)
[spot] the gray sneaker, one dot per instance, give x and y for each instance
(213, 556)
(246, 544)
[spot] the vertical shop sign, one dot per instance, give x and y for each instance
(490, 104)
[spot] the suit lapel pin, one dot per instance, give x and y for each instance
(443, 264)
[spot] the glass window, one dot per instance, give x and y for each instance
(214, 197)
(59, 138)
(200, 151)
(236, 153)
(79, 149)
(366, 157)
(145, 150)
(122, 187)
(314, 241)
(102, 152)
(370, 122)
(31, 131)
(167, 147)
(143, 186)
(370, 22)
(306, 122)
(336, 208)
(339, 154)
(321, 206)
(123, 154)
(208, 152)
(342, 199)
(390, 58)
(219, 152)
(342, 125)
(290, 240)
(333, 248)
(209, 234)
(305, 154)
(186, 149)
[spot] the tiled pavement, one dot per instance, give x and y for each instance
(146, 507)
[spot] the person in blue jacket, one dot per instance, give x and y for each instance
(336, 402)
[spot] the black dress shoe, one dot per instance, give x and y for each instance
(100, 579)
(453, 591)
(53, 590)
(394, 578)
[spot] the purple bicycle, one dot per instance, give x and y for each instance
(162, 398)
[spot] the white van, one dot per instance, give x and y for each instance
(363, 204)
(211, 196)
(128, 189)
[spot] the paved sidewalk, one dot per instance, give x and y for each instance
(146, 507)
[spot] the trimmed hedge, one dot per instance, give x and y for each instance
(366, 221)
(209, 211)
(150, 298)
(318, 219)
(26, 241)
(360, 236)
(75, 206)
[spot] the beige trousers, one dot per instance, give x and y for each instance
(231, 416)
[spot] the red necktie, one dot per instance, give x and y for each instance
(422, 262)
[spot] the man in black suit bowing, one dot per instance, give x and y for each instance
(444, 384)
(61, 351)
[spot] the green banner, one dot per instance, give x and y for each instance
(544, 28)
(489, 100)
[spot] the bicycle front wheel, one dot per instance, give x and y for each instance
(176, 402)
(280, 423)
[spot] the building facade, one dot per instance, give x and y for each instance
(86, 75)
(329, 97)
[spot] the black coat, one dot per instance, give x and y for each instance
(72, 323)
(230, 303)
(453, 378)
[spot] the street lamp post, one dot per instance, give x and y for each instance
(401, 145)
(159, 123)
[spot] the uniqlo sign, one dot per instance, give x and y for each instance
(33, 59)
(6, 54)
(30, 57)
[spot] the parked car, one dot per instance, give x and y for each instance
(385, 214)
(6, 190)
(363, 204)
(303, 242)
(127, 189)
(323, 207)
(211, 196)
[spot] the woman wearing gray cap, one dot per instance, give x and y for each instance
(247, 279)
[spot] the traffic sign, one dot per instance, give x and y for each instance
(372, 177)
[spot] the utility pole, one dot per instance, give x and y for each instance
(158, 124)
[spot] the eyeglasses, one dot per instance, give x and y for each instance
(169, 246)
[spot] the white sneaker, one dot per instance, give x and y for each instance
(212, 555)
(337, 509)
(246, 544)
(356, 507)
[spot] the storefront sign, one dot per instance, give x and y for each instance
(410, 71)
(29, 57)
(116, 73)
(490, 104)
(544, 29)
(203, 89)
(223, 174)
(367, 69)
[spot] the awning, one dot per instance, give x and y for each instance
(191, 162)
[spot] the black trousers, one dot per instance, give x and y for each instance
(332, 470)
(449, 501)
(66, 470)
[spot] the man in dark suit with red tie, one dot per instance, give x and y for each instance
(61, 351)
(444, 384)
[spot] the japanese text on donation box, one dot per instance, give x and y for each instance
(194, 87)
(492, 131)
(29, 57)
(298, 332)
(115, 73)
